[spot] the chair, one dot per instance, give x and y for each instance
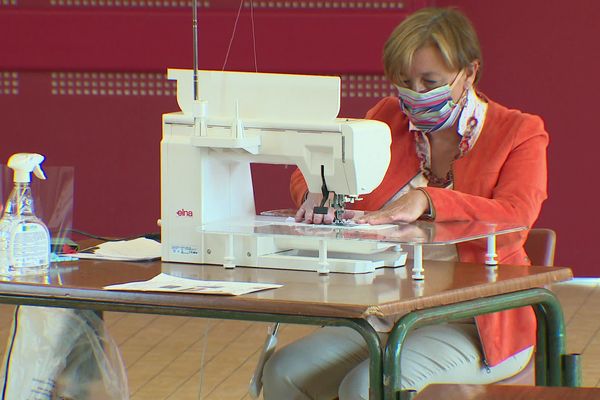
(540, 247)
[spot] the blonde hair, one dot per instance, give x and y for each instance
(445, 28)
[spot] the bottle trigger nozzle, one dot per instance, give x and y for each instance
(23, 164)
(39, 172)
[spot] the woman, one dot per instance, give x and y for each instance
(456, 155)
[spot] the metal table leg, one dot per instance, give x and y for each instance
(541, 348)
(360, 325)
(543, 300)
(547, 307)
(572, 370)
(553, 317)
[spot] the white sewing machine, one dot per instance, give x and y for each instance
(207, 199)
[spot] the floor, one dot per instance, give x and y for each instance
(164, 355)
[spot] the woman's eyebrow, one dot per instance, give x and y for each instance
(431, 74)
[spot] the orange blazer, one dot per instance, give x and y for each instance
(503, 178)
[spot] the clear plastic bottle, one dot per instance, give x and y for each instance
(5, 226)
(24, 238)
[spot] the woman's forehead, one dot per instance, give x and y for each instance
(428, 60)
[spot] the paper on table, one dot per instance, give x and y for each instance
(167, 283)
(140, 249)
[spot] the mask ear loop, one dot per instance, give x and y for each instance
(463, 96)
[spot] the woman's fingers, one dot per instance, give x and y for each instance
(328, 218)
(407, 208)
(350, 214)
(306, 212)
(377, 218)
(387, 216)
(317, 218)
(300, 214)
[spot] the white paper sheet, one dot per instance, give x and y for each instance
(140, 249)
(168, 283)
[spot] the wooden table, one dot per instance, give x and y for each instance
(450, 291)
(504, 392)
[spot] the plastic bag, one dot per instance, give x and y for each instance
(56, 353)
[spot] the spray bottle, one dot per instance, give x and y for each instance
(24, 238)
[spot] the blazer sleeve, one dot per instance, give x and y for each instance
(517, 189)
(298, 187)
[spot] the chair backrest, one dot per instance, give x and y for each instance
(540, 246)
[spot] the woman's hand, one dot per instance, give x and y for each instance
(407, 208)
(306, 211)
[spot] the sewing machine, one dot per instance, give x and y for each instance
(231, 119)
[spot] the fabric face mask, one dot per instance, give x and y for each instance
(430, 111)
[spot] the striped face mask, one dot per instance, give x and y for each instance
(430, 111)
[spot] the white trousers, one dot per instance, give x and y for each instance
(333, 362)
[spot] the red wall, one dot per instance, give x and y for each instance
(56, 54)
(540, 56)
(543, 56)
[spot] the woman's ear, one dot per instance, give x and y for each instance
(471, 73)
